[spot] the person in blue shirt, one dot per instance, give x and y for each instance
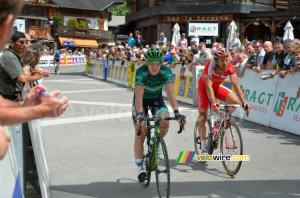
(56, 61)
(131, 40)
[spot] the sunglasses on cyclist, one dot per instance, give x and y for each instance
(155, 63)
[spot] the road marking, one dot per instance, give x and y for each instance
(71, 80)
(85, 119)
(100, 103)
(117, 104)
(91, 90)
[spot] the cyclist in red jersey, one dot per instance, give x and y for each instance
(210, 87)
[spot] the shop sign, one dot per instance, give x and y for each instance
(203, 29)
(186, 18)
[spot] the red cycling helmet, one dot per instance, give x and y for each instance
(220, 52)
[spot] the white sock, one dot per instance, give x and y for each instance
(139, 163)
(203, 144)
(159, 147)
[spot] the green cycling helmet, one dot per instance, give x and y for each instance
(154, 55)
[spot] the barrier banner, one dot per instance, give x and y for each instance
(260, 94)
(39, 155)
(87, 67)
(10, 181)
(70, 61)
(286, 109)
(131, 70)
(79, 59)
(46, 61)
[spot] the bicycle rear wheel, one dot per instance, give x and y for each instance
(231, 144)
(197, 142)
(162, 172)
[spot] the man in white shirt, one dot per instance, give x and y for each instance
(242, 58)
(235, 42)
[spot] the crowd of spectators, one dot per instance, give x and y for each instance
(255, 55)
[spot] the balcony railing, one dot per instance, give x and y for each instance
(34, 13)
(83, 33)
(280, 4)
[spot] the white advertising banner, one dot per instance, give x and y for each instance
(203, 29)
(10, 181)
(20, 25)
(260, 94)
(286, 111)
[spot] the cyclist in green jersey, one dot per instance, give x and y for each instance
(149, 82)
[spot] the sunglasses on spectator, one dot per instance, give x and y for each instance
(23, 42)
(256, 46)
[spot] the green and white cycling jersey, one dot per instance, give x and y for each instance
(153, 84)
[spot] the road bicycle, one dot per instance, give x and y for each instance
(150, 158)
(220, 127)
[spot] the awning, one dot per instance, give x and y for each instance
(80, 42)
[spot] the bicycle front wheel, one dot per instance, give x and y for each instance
(162, 172)
(231, 144)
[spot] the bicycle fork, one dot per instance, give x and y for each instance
(226, 137)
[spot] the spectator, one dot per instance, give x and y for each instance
(242, 59)
(138, 39)
(12, 75)
(175, 59)
(195, 40)
(296, 42)
(241, 49)
(267, 62)
(233, 54)
(220, 45)
(235, 42)
(214, 47)
(183, 42)
(203, 53)
(289, 61)
(131, 40)
(162, 40)
(184, 64)
(279, 57)
(184, 50)
(11, 112)
(168, 57)
(195, 56)
(260, 54)
(297, 60)
(251, 54)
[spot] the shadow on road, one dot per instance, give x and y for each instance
(121, 188)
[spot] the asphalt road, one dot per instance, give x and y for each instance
(89, 150)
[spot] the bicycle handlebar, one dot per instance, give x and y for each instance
(158, 119)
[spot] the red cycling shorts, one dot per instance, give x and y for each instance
(220, 92)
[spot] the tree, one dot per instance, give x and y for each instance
(73, 23)
(120, 10)
(57, 19)
(82, 24)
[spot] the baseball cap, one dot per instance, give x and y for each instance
(39, 46)
(183, 34)
(194, 50)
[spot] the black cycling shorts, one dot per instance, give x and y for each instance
(156, 106)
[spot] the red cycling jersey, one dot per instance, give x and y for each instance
(220, 91)
(211, 71)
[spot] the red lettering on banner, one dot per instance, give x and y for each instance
(296, 118)
(70, 61)
(259, 109)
